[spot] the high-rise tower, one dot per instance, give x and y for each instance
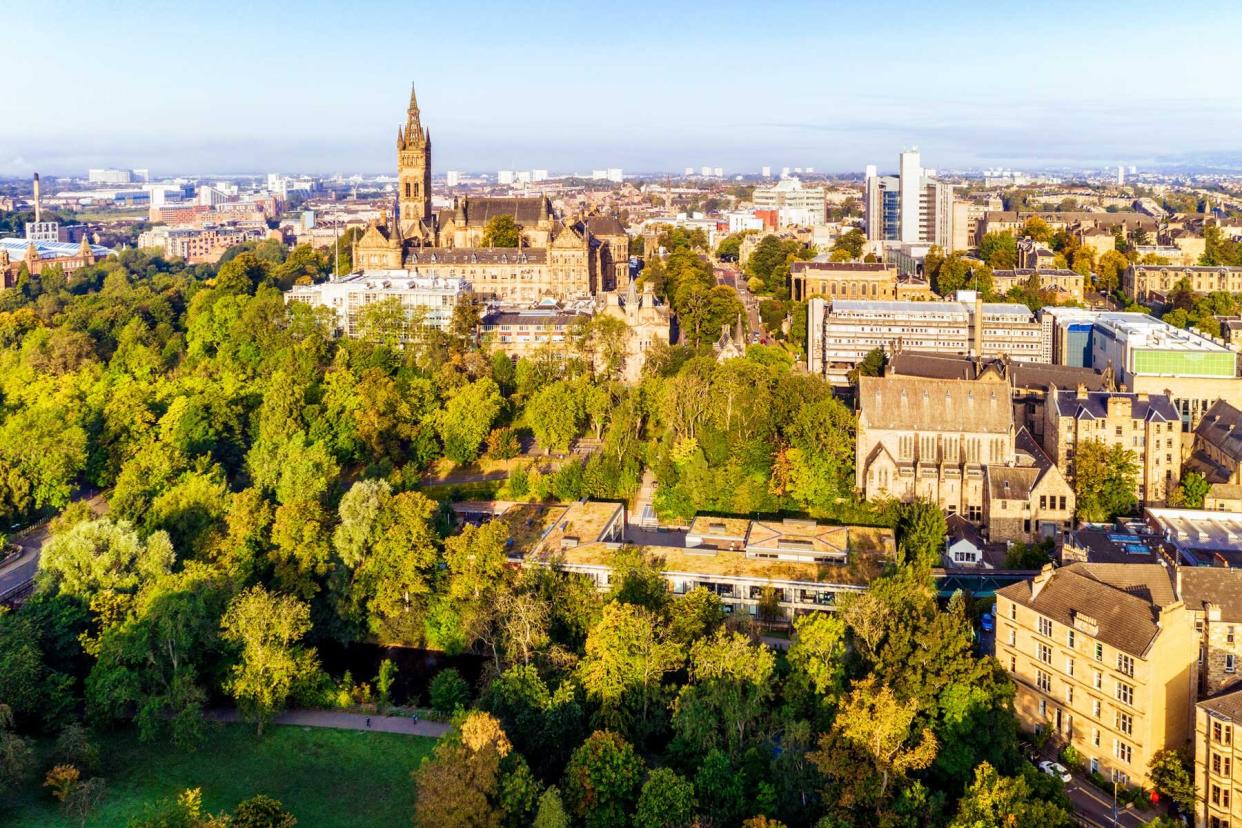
(414, 168)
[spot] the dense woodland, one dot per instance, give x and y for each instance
(262, 482)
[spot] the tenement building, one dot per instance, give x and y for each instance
(1145, 283)
(1103, 657)
(1218, 761)
(1216, 452)
(1145, 424)
(554, 257)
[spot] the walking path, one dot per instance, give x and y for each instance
(346, 721)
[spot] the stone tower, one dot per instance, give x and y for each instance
(414, 169)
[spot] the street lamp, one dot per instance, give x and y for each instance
(1114, 800)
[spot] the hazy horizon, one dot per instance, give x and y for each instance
(224, 87)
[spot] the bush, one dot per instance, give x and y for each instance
(502, 444)
(448, 691)
(1070, 757)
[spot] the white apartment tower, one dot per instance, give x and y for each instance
(909, 207)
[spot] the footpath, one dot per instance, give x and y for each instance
(346, 721)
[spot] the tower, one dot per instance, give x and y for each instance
(413, 169)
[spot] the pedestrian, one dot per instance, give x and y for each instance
(368, 721)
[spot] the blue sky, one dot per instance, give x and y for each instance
(318, 86)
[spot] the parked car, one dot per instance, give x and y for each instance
(988, 622)
(1055, 769)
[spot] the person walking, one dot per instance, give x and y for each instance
(368, 721)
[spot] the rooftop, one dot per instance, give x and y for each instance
(1094, 405)
(1227, 703)
(16, 248)
(708, 526)
(801, 537)
(1141, 331)
(1198, 530)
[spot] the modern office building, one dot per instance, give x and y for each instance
(427, 302)
(842, 332)
(912, 206)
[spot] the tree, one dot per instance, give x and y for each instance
(731, 682)
(851, 242)
(1172, 775)
(999, 250)
(626, 659)
(466, 419)
(1037, 229)
(458, 786)
(78, 797)
(502, 231)
(1110, 269)
(103, 556)
(267, 627)
(602, 780)
(666, 801)
(872, 365)
(1194, 488)
(552, 813)
(995, 800)
(1105, 480)
(921, 531)
(15, 751)
(448, 691)
(261, 811)
(881, 727)
(555, 416)
(818, 652)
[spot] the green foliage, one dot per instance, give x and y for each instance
(1194, 487)
(448, 691)
(1105, 480)
(666, 801)
(502, 231)
(603, 780)
(850, 244)
(999, 250)
(921, 531)
(1173, 776)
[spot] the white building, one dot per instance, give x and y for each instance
(614, 175)
(912, 206)
(797, 205)
(109, 176)
(504, 177)
(427, 301)
(452, 178)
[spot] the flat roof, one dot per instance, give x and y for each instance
(1199, 528)
(16, 249)
(798, 536)
(1142, 331)
(582, 522)
(708, 526)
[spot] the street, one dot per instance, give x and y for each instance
(1095, 807)
(21, 570)
(729, 276)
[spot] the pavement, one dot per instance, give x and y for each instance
(340, 720)
(22, 569)
(1094, 807)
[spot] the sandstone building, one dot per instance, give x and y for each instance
(555, 258)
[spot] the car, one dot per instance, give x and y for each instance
(987, 622)
(1055, 769)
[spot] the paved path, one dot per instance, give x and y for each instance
(346, 721)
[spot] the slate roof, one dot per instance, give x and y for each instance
(1039, 375)
(1213, 585)
(1012, 482)
(1095, 405)
(920, 404)
(605, 226)
(1125, 612)
(1227, 703)
(1221, 426)
(841, 267)
(526, 211)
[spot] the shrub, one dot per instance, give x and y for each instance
(448, 691)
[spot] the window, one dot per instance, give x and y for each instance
(1125, 723)
(1069, 694)
(1069, 667)
(1125, 664)
(1043, 707)
(1098, 680)
(1045, 627)
(1229, 635)
(1044, 680)
(1095, 736)
(1069, 639)
(1095, 708)
(1013, 664)
(1222, 733)
(1123, 751)
(1099, 651)
(1013, 611)
(1221, 765)
(1125, 693)
(1061, 502)
(1217, 822)
(1043, 652)
(1220, 796)
(1229, 661)
(1013, 637)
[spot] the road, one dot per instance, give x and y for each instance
(21, 570)
(729, 276)
(1095, 807)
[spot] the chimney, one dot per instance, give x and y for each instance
(1041, 580)
(37, 200)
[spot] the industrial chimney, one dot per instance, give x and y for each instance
(38, 206)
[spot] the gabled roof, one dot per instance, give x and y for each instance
(1221, 427)
(1117, 597)
(1202, 585)
(526, 211)
(919, 404)
(1094, 405)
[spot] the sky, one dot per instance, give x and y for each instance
(320, 86)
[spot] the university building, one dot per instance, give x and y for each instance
(555, 258)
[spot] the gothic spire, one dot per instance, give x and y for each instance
(413, 122)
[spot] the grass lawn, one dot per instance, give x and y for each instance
(324, 777)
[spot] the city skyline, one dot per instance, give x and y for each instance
(660, 89)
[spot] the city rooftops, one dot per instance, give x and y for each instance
(16, 248)
(477, 255)
(1157, 268)
(1202, 536)
(1141, 331)
(1095, 405)
(841, 267)
(956, 311)
(388, 281)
